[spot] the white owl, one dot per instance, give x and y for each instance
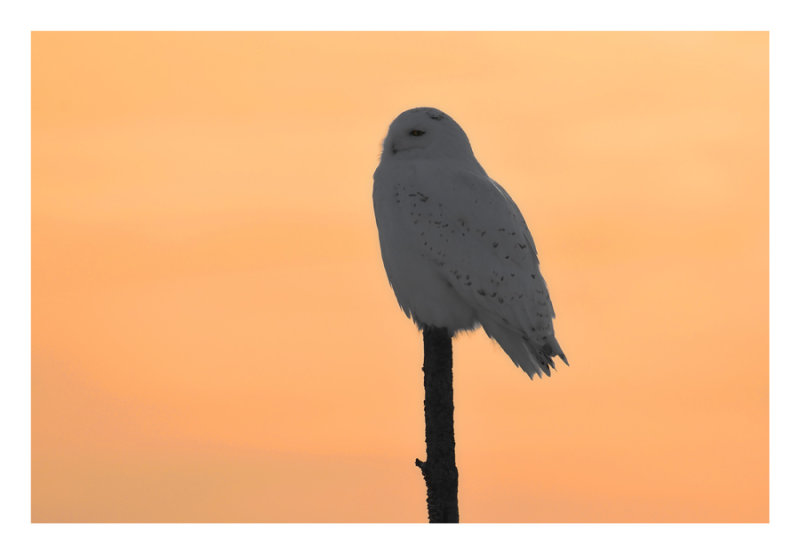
(455, 246)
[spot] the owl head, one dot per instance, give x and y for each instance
(425, 133)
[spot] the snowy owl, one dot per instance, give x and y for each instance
(455, 246)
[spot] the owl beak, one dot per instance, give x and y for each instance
(394, 148)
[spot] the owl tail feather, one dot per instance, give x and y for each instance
(532, 359)
(514, 345)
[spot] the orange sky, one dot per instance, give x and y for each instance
(214, 338)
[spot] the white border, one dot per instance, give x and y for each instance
(778, 536)
(420, 15)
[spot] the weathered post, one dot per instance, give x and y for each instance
(439, 470)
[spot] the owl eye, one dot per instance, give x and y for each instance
(416, 133)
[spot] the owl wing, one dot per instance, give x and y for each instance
(479, 240)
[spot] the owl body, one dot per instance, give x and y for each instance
(456, 249)
(409, 200)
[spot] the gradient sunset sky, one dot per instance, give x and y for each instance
(214, 337)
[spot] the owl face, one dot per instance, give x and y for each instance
(425, 132)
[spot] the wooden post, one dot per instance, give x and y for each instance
(439, 470)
